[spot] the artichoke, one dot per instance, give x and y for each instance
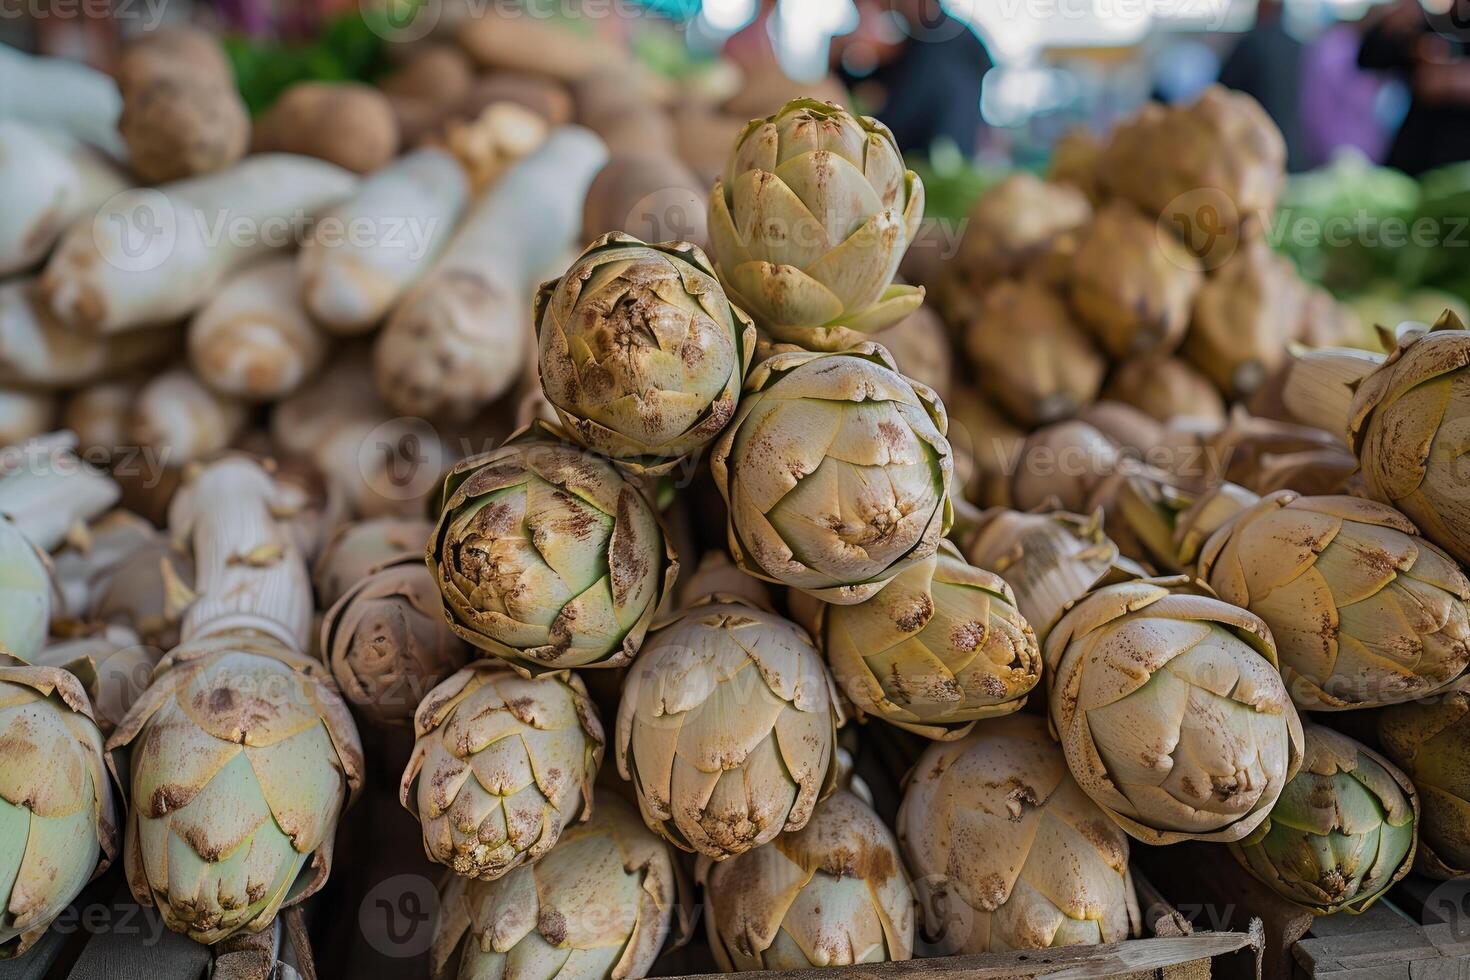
(1015, 222)
(503, 765)
(1430, 741)
(547, 557)
(1363, 610)
(1164, 388)
(939, 648)
(25, 593)
(836, 472)
(1171, 712)
(1342, 831)
(641, 354)
(388, 642)
(809, 223)
(1245, 315)
(1405, 416)
(1006, 850)
(600, 906)
(1066, 464)
(57, 819)
(831, 894)
(727, 728)
(356, 550)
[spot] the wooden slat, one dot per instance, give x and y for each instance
(126, 942)
(37, 960)
(1382, 916)
(1396, 954)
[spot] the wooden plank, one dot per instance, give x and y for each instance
(1414, 952)
(126, 942)
(37, 960)
(1382, 916)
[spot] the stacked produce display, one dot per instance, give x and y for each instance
(618, 555)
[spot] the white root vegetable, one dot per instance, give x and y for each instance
(179, 421)
(62, 94)
(48, 179)
(39, 352)
(253, 340)
(152, 255)
(101, 415)
(25, 413)
(458, 340)
(365, 252)
(48, 491)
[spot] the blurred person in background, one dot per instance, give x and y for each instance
(1267, 65)
(1428, 51)
(1342, 104)
(918, 69)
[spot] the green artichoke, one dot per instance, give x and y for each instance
(809, 223)
(547, 557)
(642, 356)
(1342, 832)
(25, 593)
(1430, 741)
(836, 471)
(57, 819)
(502, 764)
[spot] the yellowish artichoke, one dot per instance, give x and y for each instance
(1342, 832)
(1171, 711)
(833, 893)
(1165, 388)
(1430, 740)
(1010, 226)
(1245, 315)
(547, 557)
(1006, 850)
(836, 472)
(727, 728)
(501, 766)
(939, 648)
(642, 356)
(809, 223)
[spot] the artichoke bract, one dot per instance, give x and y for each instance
(502, 765)
(25, 593)
(940, 647)
(831, 894)
(836, 471)
(599, 906)
(1430, 741)
(1171, 711)
(727, 728)
(809, 223)
(1006, 850)
(1342, 832)
(57, 817)
(547, 557)
(641, 354)
(1363, 610)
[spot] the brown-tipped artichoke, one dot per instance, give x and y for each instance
(1165, 388)
(502, 766)
(1245, 315)
(727, 728)
(836, 471)
(1006, 850)
(833, 893)
(809, 223)
(356, 550)
(57, 819)
(1131, 286)
(388, 642)
(1342, 832)
(600, 906)
(1029, 355)
(1430, 740)
(1171, 712)
(1406, 417)
(642, 356)
(1363, 610)
(547, 557)
(1010, 226)
(939, 648)
(1064, 465)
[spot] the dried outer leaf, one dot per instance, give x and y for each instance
(1429, 740)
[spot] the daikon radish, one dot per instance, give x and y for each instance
(63, 94)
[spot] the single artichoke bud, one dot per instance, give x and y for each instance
(388, 642)
(1132, 287)
(1245, 315)
(1171, 712)
(1064, 465)
(114, 666)
(727, 728)
(717, 575)
(1009, 226)
(503, 765)
(642, 355)
(941, 647)
(1404, 416)
(1006, 850)
(25, 593)
(57, 818)
(356, 550)
(836, 472)
(547, 557)
(1074, 161)
(1342, 832)
(1363, 610)
(1029, 354)
(1164, 388)
(810, 221)
(600, 906)
(833, 893)
(1430, 741)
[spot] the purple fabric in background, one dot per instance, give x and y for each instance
(1340, 100)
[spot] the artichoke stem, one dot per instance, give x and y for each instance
(1320, 387)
